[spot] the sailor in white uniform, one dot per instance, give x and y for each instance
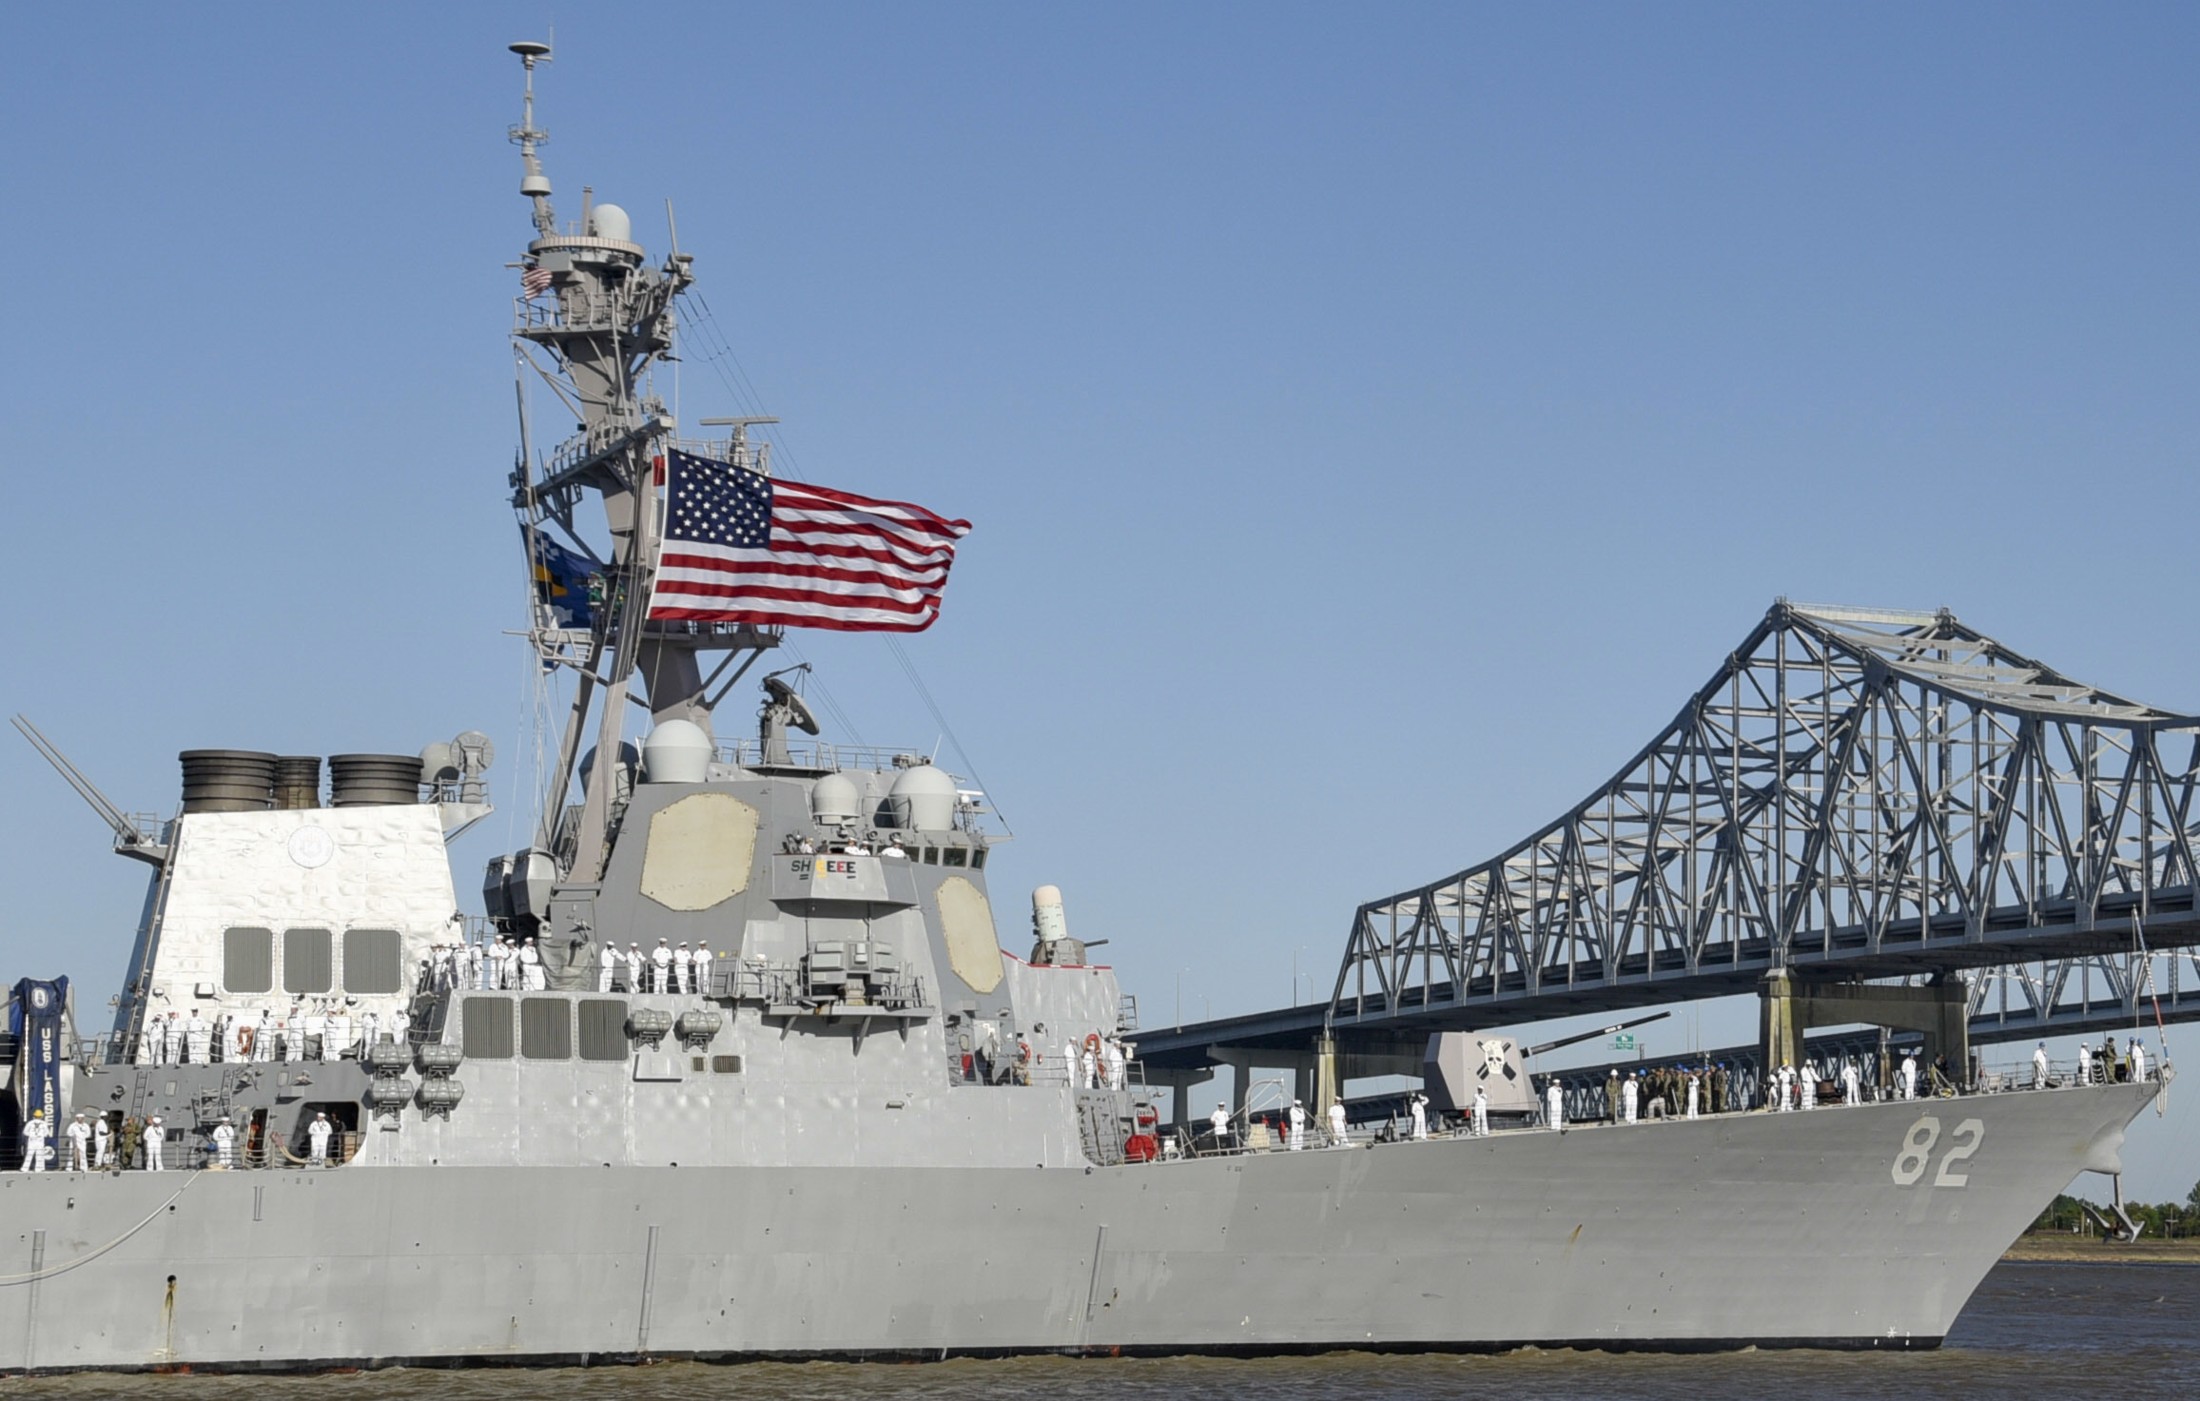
(197, 1039)
(1852, 1083)
(103, 1144)
(1298, 1126)
(400, 1026)
(682, 959)
(1482, 1112)
(1694, 1085)
(34, 1142)
(702, 971)
(1810, 1086)
(533, 977)
(80, 1143)
(1630, 1096)
(317, 1136)
(1417, 1106)
(606, 962)
(2138, 1060)
(1219, 1122)
(263, 1035)
(1336, 1121)
(1112, 1049)
(1908, 1075)
(660, 966)
(155, 1136)
(225, 1143)
(633, 967)
(1554, 1112)
(337, 1039)
(2039, 1067)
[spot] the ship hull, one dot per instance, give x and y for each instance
(1757, 1229)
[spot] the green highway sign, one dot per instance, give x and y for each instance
(1625, 1041)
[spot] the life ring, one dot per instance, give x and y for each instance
(1092, 1043)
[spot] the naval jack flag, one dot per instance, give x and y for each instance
(741, 547)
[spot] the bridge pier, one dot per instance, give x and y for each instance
(1790, 1006)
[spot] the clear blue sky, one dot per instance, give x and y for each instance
(1376, 420)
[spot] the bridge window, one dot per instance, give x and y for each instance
(956, 856)
(545, 1028)
(374, 961)
(977, 859)
(306, 960)
(486, 1028)
(248, 960)
(603, 1028)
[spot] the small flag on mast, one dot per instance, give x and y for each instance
(534, 281)
(567, 585)
(742, 547)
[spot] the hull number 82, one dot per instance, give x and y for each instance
(1917, 1152)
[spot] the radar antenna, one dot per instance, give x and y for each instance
(534, 184)
(782, 707)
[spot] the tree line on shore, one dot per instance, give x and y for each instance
(2068, 1215)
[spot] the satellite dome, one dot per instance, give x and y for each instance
(922, 799)
(833, 801)
(677, 751)
(610, 221)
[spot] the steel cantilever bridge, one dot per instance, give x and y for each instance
(1856, 795)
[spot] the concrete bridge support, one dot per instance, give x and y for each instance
(1791, 1005)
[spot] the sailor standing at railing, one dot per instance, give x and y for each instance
(224, 1139)
(1112, 1049)
(702, 983)
(80, 1141)
(533, 976)
(1481, 1120)
(1630, 1098)
(197, 1039)
(607, 962)
(2085, 1064)
(1908, 1075)
(103, 1144)
(1694, 1086)
(1219, 1123)
(1851, 1084)
(317, 1136)
(1554, 1112)
(682, 960)
(476, 966)
(660, 966)
(633, 967)
(155, 1136)
(1336, 1121)
(370, 1027)
(1810, 1086)
(1298, 1126)
(2039, 1067)
(2138, 1060)
(288, 1028)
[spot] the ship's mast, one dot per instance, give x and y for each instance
(600, 321)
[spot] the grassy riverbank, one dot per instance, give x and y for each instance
(2063, 1248)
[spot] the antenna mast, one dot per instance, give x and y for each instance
(601, 316)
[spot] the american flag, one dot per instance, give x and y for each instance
(534, 281)
(741, 547)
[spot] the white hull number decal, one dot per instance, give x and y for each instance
(1917, 1152)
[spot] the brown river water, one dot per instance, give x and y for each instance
(2035, 1331)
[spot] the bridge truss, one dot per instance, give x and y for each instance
(1860, 794)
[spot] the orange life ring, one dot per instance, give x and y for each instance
(1092, 1042)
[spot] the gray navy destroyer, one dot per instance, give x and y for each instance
(833, 1116)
